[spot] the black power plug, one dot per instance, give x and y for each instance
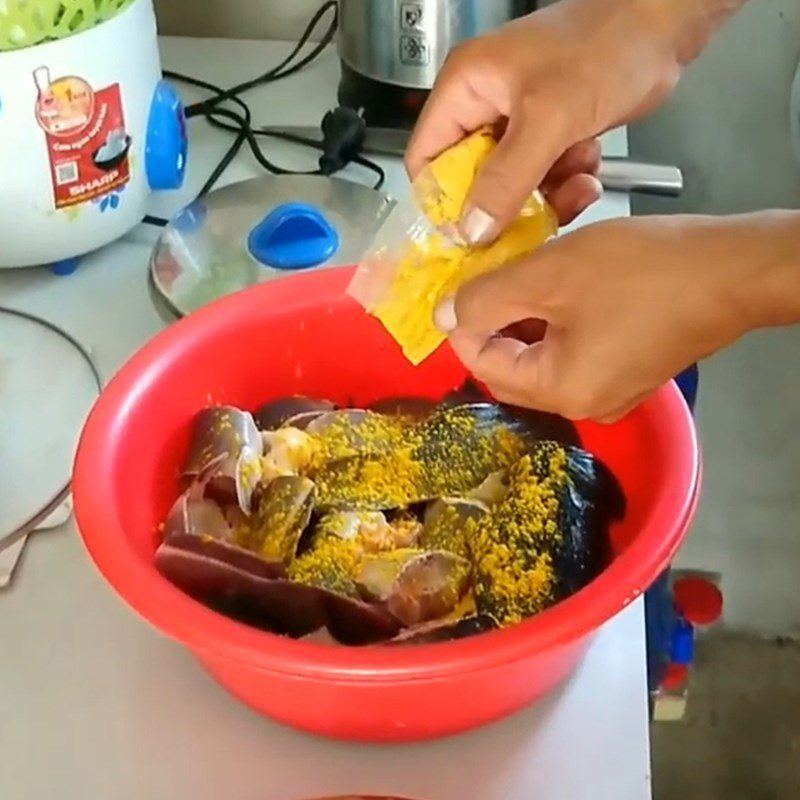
(343, 133)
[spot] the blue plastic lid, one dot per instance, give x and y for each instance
(683, 643)
(167, 145)
(293, 236)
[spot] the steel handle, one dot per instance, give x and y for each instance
(624, 175)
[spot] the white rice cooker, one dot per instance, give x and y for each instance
(88, 130)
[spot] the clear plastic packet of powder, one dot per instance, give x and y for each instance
(418, 259)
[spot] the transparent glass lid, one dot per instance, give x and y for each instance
(205, 252)
(47, 387)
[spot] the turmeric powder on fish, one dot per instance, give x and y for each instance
(515, 576)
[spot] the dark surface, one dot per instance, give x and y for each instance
(740, 738)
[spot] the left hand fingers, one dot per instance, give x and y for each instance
(583, 157)
(574, 196)
(571, 185)
(510, 368)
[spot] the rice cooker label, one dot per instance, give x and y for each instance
(87, 143)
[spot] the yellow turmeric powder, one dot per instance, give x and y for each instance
(515, 576)
(442, 189)
(331, 564)
(394, 480)
(284, 511)
(349, 433)
(450, 453)
(450, 525)
(433, 268)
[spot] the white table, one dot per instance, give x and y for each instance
(94, 704)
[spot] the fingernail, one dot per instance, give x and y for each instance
(478, 227)
(445, 316)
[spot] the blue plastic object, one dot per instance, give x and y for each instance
(682, 643)
(167, 144)
(688, 384)
(660, 618)
(293, 236)
(660, 621)
(65, 267)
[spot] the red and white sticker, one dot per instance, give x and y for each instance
(87, 142)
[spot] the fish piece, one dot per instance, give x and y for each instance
(350, 432)
(429, 587)
(406, 529)
(416, 586)
(283, 513)
(492, 490)
(201, 554)
(544, 426)
(538, 424)
(330, 563)
(356, 623)
(366, 462)
(287, 451)
(194, 515)
(460, 446)
(248, 474)
(437, 632)
(449, 523)
(382, 482)
(278, 606)
(322, 636)
(591, 501)
(276, 413)
(331, 567)
(370, 531)
(269, 603)
(411, 585)
(197, 525)
(376, 575)
(449, 454)
(221, 436)
(544, 540)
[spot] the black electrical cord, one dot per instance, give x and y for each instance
(285, 68)
(226, 110)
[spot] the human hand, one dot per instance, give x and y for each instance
(595, 321)
(550, 83)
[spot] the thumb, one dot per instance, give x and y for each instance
(515, 168)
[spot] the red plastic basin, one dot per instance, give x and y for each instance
(303, 335)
